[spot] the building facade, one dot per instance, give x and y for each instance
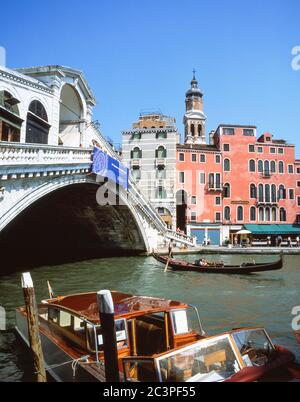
(149, 151)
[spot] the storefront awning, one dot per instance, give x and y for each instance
(273, 229)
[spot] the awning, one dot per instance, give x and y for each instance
(273, 229)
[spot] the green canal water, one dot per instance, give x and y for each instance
(224, 301)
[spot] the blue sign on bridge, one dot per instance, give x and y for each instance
(106, 166)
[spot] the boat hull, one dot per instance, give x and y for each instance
(178, 265)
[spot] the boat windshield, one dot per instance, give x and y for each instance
(254, 346)
(210, 360)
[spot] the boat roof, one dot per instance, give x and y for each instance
(126, 305)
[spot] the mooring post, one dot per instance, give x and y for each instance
(33, 327)
(107, 320)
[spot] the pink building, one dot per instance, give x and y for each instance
(238, 181)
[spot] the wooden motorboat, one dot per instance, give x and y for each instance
(158, 340)
(218, 268)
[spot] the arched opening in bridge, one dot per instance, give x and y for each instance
(37, 126)
(10, 121)
(71, 124)
(181, 207)
(68, 225)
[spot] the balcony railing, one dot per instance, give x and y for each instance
(160, 162)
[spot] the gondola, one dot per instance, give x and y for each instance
(219, 268)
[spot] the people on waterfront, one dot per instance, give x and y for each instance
(289, 241)
(279, 241)
(269, 241)
(298, 241)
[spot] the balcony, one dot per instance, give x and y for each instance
(214, 187)
(160, 162)
(266, 175)
(135, 163)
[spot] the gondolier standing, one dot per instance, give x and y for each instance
(170, 249)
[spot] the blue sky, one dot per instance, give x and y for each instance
(139, 54)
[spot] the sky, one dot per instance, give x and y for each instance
(139, 55)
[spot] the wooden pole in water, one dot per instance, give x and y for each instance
(33, 327)
(107, 321)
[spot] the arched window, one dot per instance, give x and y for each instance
(268, 214)
(37, 127)
(282, 215)
(10, 122)
(273, 167)
(274, 193)
(253, 214)
(253, 191)
(266, 168)
(161, 172)
(280, 167)
(161, 193)
(136, 136)
(193, 130)
(274, 214)
(71, 116)
(261, 214)
(136, 153)
(226, 165)
(199, 130)
(260, 166)
(161, 152)
(261, 193)
(252, 165)
(227, 213)
(136, 173)
(267, 193)
(226, 190)
(281, 193)
(240, 214)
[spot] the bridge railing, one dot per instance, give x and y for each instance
(24, 154)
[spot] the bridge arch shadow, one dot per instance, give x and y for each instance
(68, 225)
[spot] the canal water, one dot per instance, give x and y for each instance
(224, 301)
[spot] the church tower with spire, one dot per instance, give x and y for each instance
(194, 118)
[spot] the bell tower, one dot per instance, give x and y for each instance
(194, 118)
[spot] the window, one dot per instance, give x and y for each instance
(260, 166)
(161, 135)
(260, 150)
(298, 183)
(248, 132)
(161, 152)
(228, 131)
(181, 177)
(281, 151)
(226, 165)
(298, 201)
(161, 193)
(261, 214)
(251, 148)
(252, 214)
(193, 200)
(202, 158)
(226, 147)
(272, 150)
(282, 215)
(281, 193)
(202, 178)
(267, 193)
(281, 167)
(268, 214)
(211, 180)
(298, 170)
(291, 194)
(218, 181)
(218, 158)
(37, 128)
(136, 173)
(136, 136)
(253, 191)
(274, 214)
(218, 200)
(194, 157)
(240, 213)
(181, 157)
(136, 153)
(193, 216)
(273, 193)
(266, 168)
(10, 122)
(252, 165)
(161, 173)
(291, 169)
(227, 214)
(273, 167)
(218, 216)
(226, 190)
(261, 193)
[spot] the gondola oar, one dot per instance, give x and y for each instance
(169, 258)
